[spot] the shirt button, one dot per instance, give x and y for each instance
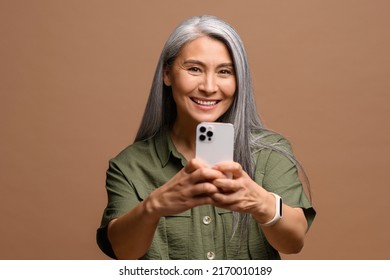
(206, 220)
(211, 255)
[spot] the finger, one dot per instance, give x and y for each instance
(225, 201)
(204, 174)
(193, 165)
(203, 189)
(202, 200)
(230, 168)
(226, 185)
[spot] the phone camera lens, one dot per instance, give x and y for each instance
(202, 137)
(210, 134)
(202, 129)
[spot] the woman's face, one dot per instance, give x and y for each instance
(203, 81)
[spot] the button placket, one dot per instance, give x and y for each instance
(207, 219)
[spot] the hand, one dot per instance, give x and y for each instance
(190, 187)
(240, 193)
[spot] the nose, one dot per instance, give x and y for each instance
(209, 84)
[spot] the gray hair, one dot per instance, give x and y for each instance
(160, 110)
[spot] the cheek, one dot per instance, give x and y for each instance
(183, 84)
(229, 88)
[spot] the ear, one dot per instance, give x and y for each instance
(166, 77)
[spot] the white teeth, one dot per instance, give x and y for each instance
(205, 103)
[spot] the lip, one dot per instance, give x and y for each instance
(205, 104)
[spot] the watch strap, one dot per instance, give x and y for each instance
(278, 211)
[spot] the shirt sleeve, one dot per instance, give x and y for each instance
(121, 198)
(276, 173)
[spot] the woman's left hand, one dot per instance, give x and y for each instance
(240, 193)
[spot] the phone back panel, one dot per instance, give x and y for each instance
(214, 142)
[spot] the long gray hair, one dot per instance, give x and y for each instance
(160, 110)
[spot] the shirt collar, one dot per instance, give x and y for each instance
(165, 148)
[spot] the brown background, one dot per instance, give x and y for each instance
(75, 75)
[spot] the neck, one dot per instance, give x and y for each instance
(183, 137)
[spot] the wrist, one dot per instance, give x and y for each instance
(278, 210)
(149, 208)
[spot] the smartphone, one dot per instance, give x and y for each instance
(214, 142)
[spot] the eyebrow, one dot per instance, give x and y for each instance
(194, 61)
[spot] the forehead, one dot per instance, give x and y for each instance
(207, 48)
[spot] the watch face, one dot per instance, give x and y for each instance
(280, 207)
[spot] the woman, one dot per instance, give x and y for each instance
(165, 204)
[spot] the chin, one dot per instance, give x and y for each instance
(207, 120)
(208, 117)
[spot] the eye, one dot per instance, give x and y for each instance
(194, 69)
(226, 72)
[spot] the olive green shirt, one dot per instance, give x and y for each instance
(203, 232)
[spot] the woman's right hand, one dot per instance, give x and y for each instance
(190, 187)
(132, 233)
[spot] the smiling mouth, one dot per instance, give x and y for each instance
(205, 102)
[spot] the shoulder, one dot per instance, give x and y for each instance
(137, 151)
(271, 151)
(269, 139)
